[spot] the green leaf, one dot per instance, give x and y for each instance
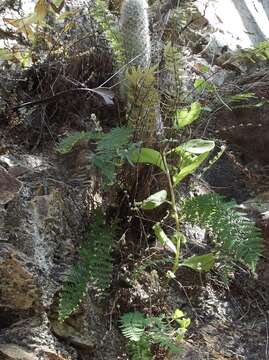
(198, 146)
(178, 314)
(67, 144)
(190, 168)
(202, 84)
(200, 262)
(148, 156)
(243, 97)
(153, 201)
(185, 117)
(163, 238)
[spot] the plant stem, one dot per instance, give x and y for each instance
(174, 214)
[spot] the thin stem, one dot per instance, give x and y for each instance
(174, 214)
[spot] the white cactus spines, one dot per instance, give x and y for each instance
(135, 32)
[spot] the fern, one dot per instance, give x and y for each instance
(95, 267)
(142, 331)
(111, 151)
(96, 254)
(140, 350)
(235, 236)
(66, 145)
(133, 325)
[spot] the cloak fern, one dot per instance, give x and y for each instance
(94, 268)
(235, 236)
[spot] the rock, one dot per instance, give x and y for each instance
(18, 288)
(9, 186)
(15, 352)
(189, 352)
(74, 336)
(35, 338)
(236, 23)
(18, 171)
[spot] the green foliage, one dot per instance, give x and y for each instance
(34, 34)
(153, 201)
(186, 117)
(112, 149)
(143, 100)
(188, 156)
(201, 85)
(236, 238)
(148, 156)
(200, 262)
(94, 267)
(260, 52)
(192, 154)
(163, 238)
(142, 331)
(67, 144)
(109, 28)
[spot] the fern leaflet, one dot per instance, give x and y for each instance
(95, 267)
(235, 236)
(142, 331)
(67, 144)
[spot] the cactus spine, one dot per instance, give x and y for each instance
(135, 32)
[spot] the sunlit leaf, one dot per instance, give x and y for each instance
(190, 168)
(153, 201)
(148, 156)
(185, 117)
(201, 262)
(198, 146)
(163, 238)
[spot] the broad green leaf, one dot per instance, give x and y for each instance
(189, 169)
(200, 262)
(185, 117)
(148, 156)
(153, 201)
(198, 146)
(163, 238)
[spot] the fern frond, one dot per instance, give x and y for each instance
(95, 267)
(144, 331)
(96, 254)
(133, 325)
(115, 140)
(140, 349)
(73, 291)
(67, 144)
(234, 235)
(110, 151)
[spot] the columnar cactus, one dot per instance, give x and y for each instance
(135, 32)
